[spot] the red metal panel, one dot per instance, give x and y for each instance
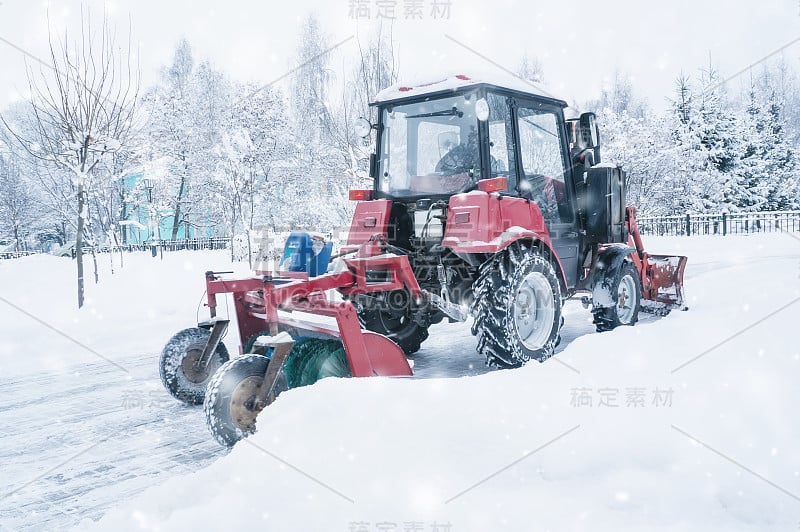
(369, 354)
(495, 222)
(370, 218)
(385, 356)
(399, 272)
(249, 324)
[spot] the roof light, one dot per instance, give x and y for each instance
(360, 195)
(495, 184)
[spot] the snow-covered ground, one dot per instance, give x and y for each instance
(85, 426)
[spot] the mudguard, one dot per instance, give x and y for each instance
(481, 222)
(605, 268)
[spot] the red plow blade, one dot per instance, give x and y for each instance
(664, 280)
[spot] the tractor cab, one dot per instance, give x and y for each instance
(437, 142)
(463, 134)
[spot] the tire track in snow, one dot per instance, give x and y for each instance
(147, 443)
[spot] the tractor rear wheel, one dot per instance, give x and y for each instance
(626, 293)
(517, 307)
(391, 316)
(178, 368)
(230, 405)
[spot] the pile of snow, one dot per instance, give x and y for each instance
(703, 437)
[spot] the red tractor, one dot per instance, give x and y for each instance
(486, 202)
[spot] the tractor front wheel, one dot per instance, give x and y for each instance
(390, 315)
(517, 307)
(625, 290)
(180, 372)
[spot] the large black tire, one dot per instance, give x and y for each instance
(180, 378)
(392, 318)
(624, 291)
(229, 406)
(517, 307)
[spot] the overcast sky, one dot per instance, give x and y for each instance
(580, 44)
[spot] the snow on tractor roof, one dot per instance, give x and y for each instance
(454, 82)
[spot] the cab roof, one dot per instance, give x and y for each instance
(458, 83)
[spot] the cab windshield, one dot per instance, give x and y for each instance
(430, 148)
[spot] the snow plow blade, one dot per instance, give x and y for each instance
(664, 280)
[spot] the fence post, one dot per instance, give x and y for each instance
(724, 223)
(688, 225)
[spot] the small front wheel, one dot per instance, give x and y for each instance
(180, 372)
(626, 298)
(231, 402)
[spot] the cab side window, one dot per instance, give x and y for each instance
(501, 140)
(543, 163)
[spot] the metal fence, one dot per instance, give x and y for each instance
(720, 224)
(15, 254)
(193, 244)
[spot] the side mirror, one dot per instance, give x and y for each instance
(590, 136)
(362, 127)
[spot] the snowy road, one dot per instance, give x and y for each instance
(82, 436)
(105, 431)
(102, 436)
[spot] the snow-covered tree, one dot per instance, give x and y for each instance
(321, 154)
(17, 205)
(81, 111)
(172, 142)
(265, 140)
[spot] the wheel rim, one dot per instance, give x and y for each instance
(194, 373)
(242, 404)
(626, 299)
(534, 311)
